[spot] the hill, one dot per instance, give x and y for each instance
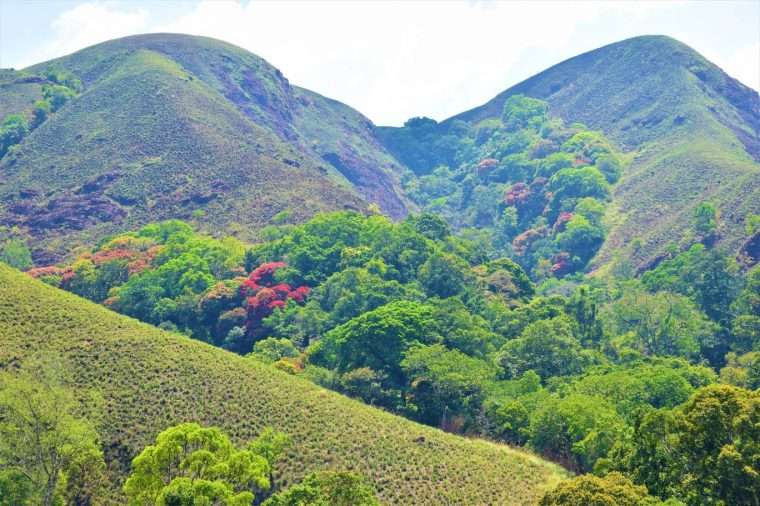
(179, 126)
(690, 131)
(150, 379)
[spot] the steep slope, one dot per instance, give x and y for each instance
(691, 131)
(150, 379)
(171, 125)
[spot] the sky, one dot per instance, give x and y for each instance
(390, 59)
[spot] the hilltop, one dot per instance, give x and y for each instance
(150, 379)
(691, 133)
(180, 126)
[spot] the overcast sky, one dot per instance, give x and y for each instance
(391, 59)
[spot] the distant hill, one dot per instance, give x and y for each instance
(150, 379)
(692, 133)
(181, 126)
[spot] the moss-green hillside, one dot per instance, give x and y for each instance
(692, 133)
(150, 379)
(175, 126)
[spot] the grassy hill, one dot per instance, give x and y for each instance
(692, 133)
(150, 379)
(180, 126)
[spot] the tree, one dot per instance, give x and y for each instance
(377, 339)
(614, 489)
(327, 488)
(190, 464)
(703, 452)
(57, 95)
(705, 220)
(662, 323)
(40, 113)
(443, 275)
(271, 349)
(576, 430)
(431, 226)
(746, 324)
(46, 447)
(547, 347)
(570, 185)
(13, 129)
(16, 254)
(521, 112)
(445, 383)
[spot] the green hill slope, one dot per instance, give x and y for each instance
(151, 379)
(691, 131)
(171, 125)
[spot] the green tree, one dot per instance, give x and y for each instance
(46, 447)
(521, 112)
(377, 339)
(190, 464)
(57, 95)
(16, 254)
(662, 323)
(443, 275)
(746, 324)
(576, 430)
(614, 489)
(12, 130)
(705, 220)
(271, 349)
(327, 488)
(703, 452)
(547, 347)
(445, 383)
(40, 113)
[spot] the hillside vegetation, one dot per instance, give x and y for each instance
(182, 127)
(692, 134)
(150, 379)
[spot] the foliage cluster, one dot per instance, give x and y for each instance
(536, 186)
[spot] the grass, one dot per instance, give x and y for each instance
(150, 379)
(181, 123)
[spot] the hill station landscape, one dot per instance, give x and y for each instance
(220, 288)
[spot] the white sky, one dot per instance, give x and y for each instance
(391, 59)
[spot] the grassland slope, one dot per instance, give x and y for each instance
(150, 379)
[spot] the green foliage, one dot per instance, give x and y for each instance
(443, 275)
(12, 130)
(613, 489)
(377, 339)
(57, 95)
(48, 451)
(445, 383)
(327, 488)
(662, 323)
(190, 464)
(705, 219)
(271, 350)
(16, 254)
(493, 176)
(546, 347)
(702, 452)
(576, 430)
(523, 112)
